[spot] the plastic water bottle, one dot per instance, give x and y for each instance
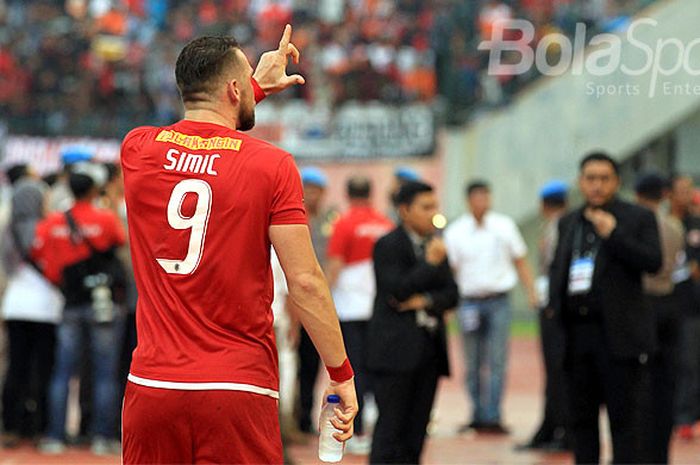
(329, 448)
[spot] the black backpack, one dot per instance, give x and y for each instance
(100, 269)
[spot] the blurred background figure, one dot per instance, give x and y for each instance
(286, 341)
(407, 350)
(315, 183)
(84, 264)
(112, 198)
(488, 254)
(687, 278)
(552, 433)
(31, 309)
(651, 190)
(695, 204)
(604, 248)
(402, 175)
(61, 196)
(350, 278)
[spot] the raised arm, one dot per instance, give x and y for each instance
(271, 72)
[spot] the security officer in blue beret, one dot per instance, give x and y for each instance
(321, 221)
(552, 434)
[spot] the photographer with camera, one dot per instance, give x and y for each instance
(76, 250)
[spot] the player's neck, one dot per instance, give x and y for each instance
(210, 115)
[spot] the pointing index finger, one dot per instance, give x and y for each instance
(286, 38)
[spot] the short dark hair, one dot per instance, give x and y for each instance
(359, 187)
(80, 185)
(201, 62)
(112, 171)
(554, 202)
(17, 172)
(410, 190)
(50, 179)
(651, 186)
(599, 156)
(475, 185)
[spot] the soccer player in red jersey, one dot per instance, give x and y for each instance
(205, 202)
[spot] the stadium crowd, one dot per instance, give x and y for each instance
(64, 64)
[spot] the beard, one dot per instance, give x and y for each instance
(246, 120)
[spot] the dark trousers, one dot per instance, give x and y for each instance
(688, 386)
(308, 371)
(355, 336)
(595, 378)
(556, 407)
(663, 376)
(404, 401)
(687, 408)
(31, 357)
(85, 393)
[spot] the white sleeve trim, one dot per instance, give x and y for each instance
(203, 386)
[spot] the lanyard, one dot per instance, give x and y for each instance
(578, 244)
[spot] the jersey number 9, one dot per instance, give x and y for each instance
(197, 223)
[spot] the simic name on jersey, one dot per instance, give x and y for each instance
(191, 162)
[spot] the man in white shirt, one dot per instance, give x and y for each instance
(487, 253)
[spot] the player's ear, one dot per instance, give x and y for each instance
(233, 90)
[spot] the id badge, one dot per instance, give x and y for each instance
(581, 275)
(469, 319)
(542, 288)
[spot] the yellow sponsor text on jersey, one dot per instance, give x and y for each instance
(197, 142)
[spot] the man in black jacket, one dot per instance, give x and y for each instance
(407, 349)
(596, 292)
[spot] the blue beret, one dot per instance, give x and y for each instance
(75, 153)
(554, 189)
(406, 173)
(313, 175)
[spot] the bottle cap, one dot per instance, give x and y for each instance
(333, 399)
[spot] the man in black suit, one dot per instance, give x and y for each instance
(407, 349)
(596, 292)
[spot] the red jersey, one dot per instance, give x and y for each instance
(352, 241)
(200, 199)
(355, 233)
(53, 249)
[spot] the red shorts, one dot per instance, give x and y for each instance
(166, 426)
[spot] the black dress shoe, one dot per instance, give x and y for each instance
(493, 428)
(10, 441)
(474, 425)
(557, 445)
(532, 445)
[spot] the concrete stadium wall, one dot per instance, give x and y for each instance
(543, 134)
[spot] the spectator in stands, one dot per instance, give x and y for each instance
(64, 64)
